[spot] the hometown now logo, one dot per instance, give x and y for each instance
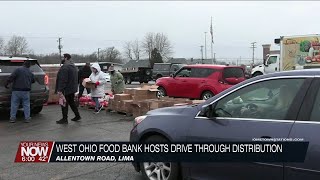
(34, 151)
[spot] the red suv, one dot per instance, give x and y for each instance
(200, 81)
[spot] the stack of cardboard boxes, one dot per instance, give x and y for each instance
(52, 72)
(138, 101)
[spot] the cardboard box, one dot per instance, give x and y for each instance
(129, 91)
(121, 97)
(139, 91)
(181, 104)
(197, 101)
(157, 104)
(127, 105)
(88, 84)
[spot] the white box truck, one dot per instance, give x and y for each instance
(296, 52)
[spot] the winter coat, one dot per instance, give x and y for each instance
(67, 79)
(98, 77)
(117, 82)
(22, 78)
(84, 72)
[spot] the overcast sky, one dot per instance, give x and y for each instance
(86, 26)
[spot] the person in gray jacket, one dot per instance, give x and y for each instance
(22, 78)
(67, 85)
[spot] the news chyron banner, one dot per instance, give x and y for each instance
(49, 151)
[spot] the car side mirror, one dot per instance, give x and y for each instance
(207, 111)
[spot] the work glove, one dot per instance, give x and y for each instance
(97, 84)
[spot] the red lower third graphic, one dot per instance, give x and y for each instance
(34, 152)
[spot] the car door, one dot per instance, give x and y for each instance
(272, 64)
(198, 81)
(307, 128)
(254, 110)
(179, 83)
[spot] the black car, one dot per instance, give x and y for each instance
(39, 91)
(165, 69)
(278, 105)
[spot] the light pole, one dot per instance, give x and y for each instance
(201, 54)
(253, 47)
(205, 44)
(98, 53)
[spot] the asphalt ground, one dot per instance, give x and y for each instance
(93, 127)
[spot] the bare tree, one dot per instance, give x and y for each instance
(128, 50)
(17, 45)
(1, 46)
(159, 41)
(111, 54)
(136, 49)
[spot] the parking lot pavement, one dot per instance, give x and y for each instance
(93, 127)
(133, 85)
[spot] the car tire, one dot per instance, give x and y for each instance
(161, 93)
(257, 74)
(148, 72)
(150, 170)
(36, 110)
(207, 95)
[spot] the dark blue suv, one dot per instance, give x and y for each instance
(278, 105)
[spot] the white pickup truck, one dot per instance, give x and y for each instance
(296, 52)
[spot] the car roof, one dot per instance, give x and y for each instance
(213, 66)
(292, 73)
(304, 72)
(8, 58)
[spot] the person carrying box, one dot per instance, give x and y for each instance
(99, 79)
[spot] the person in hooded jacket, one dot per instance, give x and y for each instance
(117, 81)
(99, 78)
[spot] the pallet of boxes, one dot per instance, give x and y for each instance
(138, 101)
(52, 72)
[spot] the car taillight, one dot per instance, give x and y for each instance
(16, 60)
(46, 79)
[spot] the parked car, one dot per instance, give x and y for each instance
(200, 81)
(278, 105)
(139, 74)
(39, 91)
(165, 69)
(108, 77)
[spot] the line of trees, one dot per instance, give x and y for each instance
(158, 42)
(155, 46)
(17, 45)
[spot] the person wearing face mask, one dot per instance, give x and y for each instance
(117, 81)
(99, 78)
(67, 86)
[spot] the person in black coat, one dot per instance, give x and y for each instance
(21, 79)
(67, 85)
(84, 72)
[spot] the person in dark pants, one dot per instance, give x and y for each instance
(67, 85)
(22, 78)
(84, 72)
